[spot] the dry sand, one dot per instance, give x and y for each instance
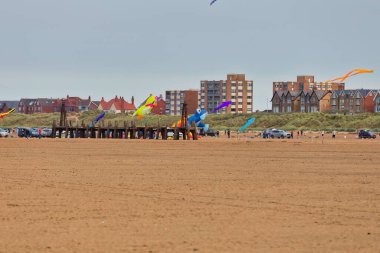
(205, 196)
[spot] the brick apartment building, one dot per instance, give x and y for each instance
(175, 99)
(353, 101)
(301, 101)
(306, 83)
(236, 89)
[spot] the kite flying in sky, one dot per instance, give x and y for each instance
(350, 74)
(249, 122)
(212, 2)
(222, 105)
(146, 106)
(2, 115)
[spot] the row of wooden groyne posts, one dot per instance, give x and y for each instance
(128, 130)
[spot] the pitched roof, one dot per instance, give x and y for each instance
(119, 103)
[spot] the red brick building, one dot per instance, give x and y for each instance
(306, 83)
(75, 104)
(161, 107)
(175, 99)
(117, 105)
(236, 89)
(38, 105)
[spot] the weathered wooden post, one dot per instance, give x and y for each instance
(133, 136)
(66, 129)
(195, 132)
(54, 129)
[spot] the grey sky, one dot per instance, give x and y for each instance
(51, 48)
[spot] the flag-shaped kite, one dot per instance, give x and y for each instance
(2, 115)
(224, 104)
(249, 122)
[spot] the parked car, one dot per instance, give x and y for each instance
(209, 132)
(280, 134)
(34, 132)
(4, 133)
(267, 133)
(366, 134)
(46, 132)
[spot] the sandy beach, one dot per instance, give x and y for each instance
(212, 195)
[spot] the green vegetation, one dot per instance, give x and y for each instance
(294, 121)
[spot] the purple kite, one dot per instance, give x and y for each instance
(212, 2)
(224, 104)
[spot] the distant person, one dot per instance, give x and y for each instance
(301, 132)
(334, 134)
(39, 133)
(229, 133)
(291, 134)
(217, 133)
(298, 134)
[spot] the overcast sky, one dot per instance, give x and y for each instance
(51, 48)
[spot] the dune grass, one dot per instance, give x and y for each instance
(293, 121)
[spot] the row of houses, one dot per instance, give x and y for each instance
(76, 104)
(336, 101)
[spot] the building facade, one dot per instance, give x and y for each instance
(301, 101)
(353, 101)
(236, 89)
(376, 101)
(306, 83)
(160, 109)
(175, 99)
(75, 104)
(37, 105)
(117, 105)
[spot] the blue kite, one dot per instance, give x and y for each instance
(212, 2)
(249, 122)
(99, 118)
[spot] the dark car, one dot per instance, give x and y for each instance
(209, 132)
(366, 134)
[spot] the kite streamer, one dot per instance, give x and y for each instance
(212, 2)
(2, 115)
(352, 73)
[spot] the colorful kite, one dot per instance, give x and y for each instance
(99, 118)
(212, 2)
(197, 118)
(224, 104)
(249, 122)
(350, 74)
(2, 115)
(146, 106)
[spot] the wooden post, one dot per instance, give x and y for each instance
(66, 129)
(54, 129)
(195, 132)
(145, 132)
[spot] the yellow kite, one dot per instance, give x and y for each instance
(146, 106)
(350, 74)
(2, 115)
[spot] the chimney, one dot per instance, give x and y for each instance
(133, 100)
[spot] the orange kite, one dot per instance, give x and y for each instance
(2, 115)
(350, 74)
